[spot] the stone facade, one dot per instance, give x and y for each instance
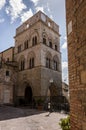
(8, 76)
(7, 55)
(37, 52)
(76, 33)
(65, 90)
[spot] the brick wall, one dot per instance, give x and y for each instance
(76, 33)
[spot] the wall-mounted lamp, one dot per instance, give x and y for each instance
(51, 81)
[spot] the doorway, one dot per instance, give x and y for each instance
(28, 95)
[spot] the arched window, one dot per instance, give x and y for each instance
(44, 40)
(31, 63)
(19, 48)
(31, 60)
(48, 60)
(34, 40)
(26, 44)
(22, 63)
(55, 63)
(50, 44)
(56, 47)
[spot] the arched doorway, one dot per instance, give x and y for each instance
(28, 95)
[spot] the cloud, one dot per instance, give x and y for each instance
(65, 38)
(64, 64)
(65, 71)
(2, 3)
(64, 46)
(35, 2)
(26, 15)
(48, 7)
(15, 8)
(65, 77)
(2, 20)
(39, 8)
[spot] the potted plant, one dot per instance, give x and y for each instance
(40, 104)
(65, 123)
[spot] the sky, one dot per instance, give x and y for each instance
(14, 12)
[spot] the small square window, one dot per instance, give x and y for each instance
(7, 73)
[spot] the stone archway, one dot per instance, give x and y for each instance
(28, 95)
(53, 93)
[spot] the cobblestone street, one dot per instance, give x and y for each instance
(28, 119)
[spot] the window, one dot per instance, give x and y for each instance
(22, 65)
(7, 73)
(48, 62)
(56, 47)
(31, 63)
(44, 40)
(50, 44)
(34, 40)
(19, 48)
(26, 44)
(55, 65)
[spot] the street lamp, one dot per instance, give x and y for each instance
(51, 81)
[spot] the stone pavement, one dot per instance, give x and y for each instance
(28, 119)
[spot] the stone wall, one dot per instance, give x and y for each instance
(76, 33)
(8, 84)
(7, 55)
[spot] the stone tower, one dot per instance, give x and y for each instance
(76, 33)
(37, 51)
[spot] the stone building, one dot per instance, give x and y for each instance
(65, 90)
(38, 58)
(8, 76)
(76, 34)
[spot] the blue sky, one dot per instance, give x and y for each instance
(15, 12)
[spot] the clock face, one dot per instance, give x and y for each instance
(43, 17)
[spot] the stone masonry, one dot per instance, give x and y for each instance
(76, 34)
(37, 54)
(46, 50)
(8, 76)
